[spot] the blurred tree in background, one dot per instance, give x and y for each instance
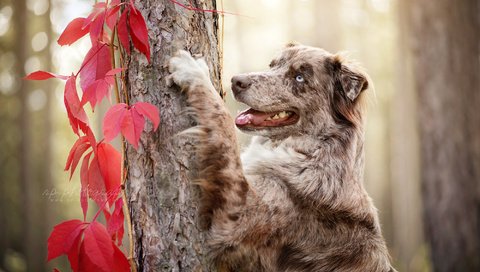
(26, 154)
(444, 39)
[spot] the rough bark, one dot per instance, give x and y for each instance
(163, 201)
(445, 42)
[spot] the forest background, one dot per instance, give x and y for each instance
(382, 35)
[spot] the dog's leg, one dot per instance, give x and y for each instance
(221, 177)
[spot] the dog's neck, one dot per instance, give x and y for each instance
(336, 142)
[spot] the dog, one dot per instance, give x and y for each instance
(294, 199)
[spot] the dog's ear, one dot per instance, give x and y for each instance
(292, 44)
(351, 80)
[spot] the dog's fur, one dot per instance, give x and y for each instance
(294, 200)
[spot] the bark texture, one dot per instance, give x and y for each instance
(445, 42)
(163, 201)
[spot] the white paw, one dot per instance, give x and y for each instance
(185, 71)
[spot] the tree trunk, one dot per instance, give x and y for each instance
(408, 240)
(445, 42)
(163, 201)
(21, 40)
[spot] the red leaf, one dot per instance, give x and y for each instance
(74, 31)
(42, 75)
(71, 98)
(76, 114)
(77, 143)
(95, 65)
(121, 263)
(72, 247)
(74, 254)
(112, 121)
(109, 161)
(60, 236)
(150, 111)
(129, 120)
(98, 246)
(84, 184)
(84, 262)
(114, 71)
(115, 223)
(112, 15)
(139, 32)
(96, 92)
(122, 32)
(91, 138)
(96, 184)
(96, 28)
(114, 3)
(132, 126)
(80, 146)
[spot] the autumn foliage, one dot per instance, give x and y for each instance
(112, 26)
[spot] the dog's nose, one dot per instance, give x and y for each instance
(240, 83)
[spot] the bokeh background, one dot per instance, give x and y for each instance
(35, 192)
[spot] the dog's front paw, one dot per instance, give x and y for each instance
(185, 71)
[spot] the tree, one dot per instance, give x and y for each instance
(163, 201)
(445, 44)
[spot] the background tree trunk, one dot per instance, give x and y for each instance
(24, 119)
(163, 201)
(408, 237)
(444, 38)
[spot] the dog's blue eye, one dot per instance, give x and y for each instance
(299, 78)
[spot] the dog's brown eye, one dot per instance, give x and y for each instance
(299, 78)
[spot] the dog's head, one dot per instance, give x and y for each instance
(307, 90)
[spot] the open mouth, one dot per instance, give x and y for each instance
(251, 118)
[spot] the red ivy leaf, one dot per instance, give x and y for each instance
(96, 28)
(139, 32)
(129, 120)
(100, 88)
(100, 177)
(112, 121)
(61, 236)
(112, 15)
(115, 71)
(74, 254)
(95, 65)
(122, 30)
(84, 184)
(121, 263)
(42, 75)
(114, 3)
(109, 161)
(84, 261)
(132, 126)
(95, 92)
(115, 223)
(80, 146)
(96, 183)
(76, 114)
(72, 247)
(150, 111)
(98, 246)
(74, 31)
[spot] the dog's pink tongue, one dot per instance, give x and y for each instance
(251, 116)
